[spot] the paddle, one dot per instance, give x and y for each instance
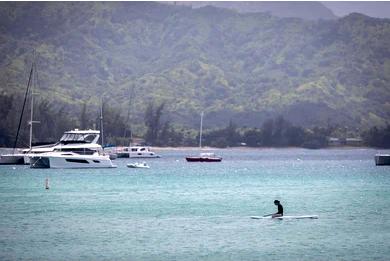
(268, 215)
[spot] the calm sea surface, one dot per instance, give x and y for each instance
(201, 211)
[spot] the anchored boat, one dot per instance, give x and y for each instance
(203, 156)
(142, 165)
(70, 160)
(382, 159)
(76, 149)
(136, 152)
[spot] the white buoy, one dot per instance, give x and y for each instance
(47, 183)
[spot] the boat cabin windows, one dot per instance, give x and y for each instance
(89, 138)
(77, 161)
(142, 149)
(79, 138)
(81, 151)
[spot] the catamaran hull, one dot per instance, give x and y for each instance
(11, 159)
(70, 162)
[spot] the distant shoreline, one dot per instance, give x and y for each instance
(258, 148)
(9, 150)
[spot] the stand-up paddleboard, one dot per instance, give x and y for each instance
(286, 217)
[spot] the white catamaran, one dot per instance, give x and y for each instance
(76, 149)
(136, 152)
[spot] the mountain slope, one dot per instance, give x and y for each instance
(244, 67)
(307, 10)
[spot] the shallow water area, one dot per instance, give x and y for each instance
(201, 211)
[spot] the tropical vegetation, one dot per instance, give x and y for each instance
(247, 68)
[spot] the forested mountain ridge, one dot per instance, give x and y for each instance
(244, 67)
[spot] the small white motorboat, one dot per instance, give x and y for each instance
(142, 165)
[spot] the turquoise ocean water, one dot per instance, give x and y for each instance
(198, 211)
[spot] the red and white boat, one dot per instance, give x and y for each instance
(205, 156)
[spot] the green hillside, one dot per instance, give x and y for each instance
(244, 67)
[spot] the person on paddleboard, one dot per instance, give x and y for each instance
(280, 209)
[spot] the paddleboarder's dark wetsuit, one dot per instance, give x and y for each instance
(280, 209)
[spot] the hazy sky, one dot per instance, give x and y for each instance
(370, 8)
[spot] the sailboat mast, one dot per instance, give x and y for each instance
(101, 122)
(24, 103)
(128, 118)
(32, 104)
(201, 130)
